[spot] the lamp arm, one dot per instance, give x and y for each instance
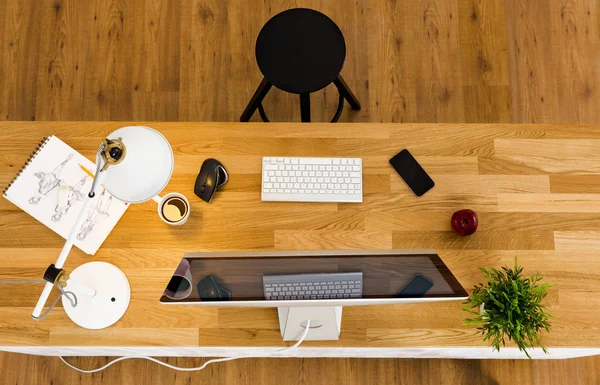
(99, 177)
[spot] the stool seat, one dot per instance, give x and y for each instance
(300, 50)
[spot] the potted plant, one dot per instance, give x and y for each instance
(509, 306)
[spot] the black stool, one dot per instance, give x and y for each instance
(300, 51)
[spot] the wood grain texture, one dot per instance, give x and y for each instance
(407, 61)
(41, 370)
(530, 214)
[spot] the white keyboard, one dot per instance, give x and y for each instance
(287, 179)
(313, 286)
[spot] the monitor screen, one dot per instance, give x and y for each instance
(238, 277)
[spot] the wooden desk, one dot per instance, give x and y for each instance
(536, 189)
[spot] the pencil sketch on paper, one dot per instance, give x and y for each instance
(74, 195)
(97, 213)
(48, 181)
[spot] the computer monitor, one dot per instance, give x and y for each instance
(236, 279)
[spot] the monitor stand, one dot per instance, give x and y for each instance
(325, 322)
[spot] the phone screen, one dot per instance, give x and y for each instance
(416, 287)
(411, 171)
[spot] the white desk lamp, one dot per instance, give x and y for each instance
(134, 164)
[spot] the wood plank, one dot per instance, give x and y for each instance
(575, 241)
(316, 240)
(481, 184)
(575, 29)
(484, 62)
(567, 148)
(439, 77)
(549, 203)
(535, 165)
(575, 184)
(392, 27)
(20, 56)
(111, 336)
(534, 93)
(62, 65)
(204, 48)
(496, 240)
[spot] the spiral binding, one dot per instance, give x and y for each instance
(39, 147)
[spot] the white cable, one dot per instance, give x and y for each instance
(66, 293)
(300, 340)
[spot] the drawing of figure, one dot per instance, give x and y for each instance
(97, 213)
(48, 181)
(73, 195)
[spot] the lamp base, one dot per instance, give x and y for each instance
(111, 299)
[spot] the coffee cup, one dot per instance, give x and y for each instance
(173, 208)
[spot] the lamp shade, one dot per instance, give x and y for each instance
(146, 168)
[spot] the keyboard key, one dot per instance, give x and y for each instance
(270, 167)
(314, 161)
(336, 161)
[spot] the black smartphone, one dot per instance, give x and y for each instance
(411, 171)
(416, 287)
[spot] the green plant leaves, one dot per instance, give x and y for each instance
(513, 308)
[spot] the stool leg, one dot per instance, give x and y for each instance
(257, 98)
(345, 91)
(305, 108)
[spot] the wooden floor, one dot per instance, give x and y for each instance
(514, 61)
(26, 370)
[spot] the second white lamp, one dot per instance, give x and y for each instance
(134, 164)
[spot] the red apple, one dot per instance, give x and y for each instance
(464, 222)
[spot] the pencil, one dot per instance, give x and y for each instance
(87, 171)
